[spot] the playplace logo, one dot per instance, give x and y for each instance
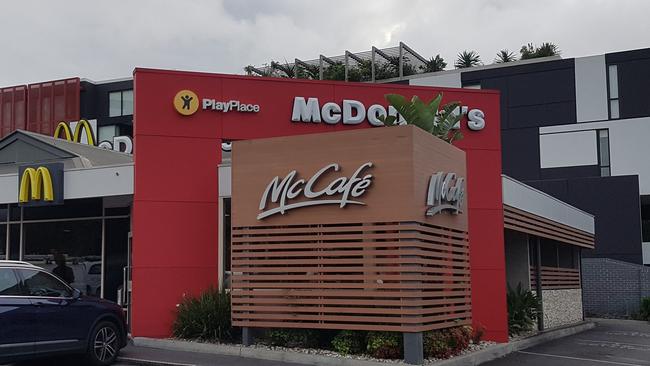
(187, 102)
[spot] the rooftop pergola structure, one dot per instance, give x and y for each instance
(372, 65)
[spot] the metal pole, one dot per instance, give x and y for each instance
(8, 231)
(20, 244)
(372, 64)
(346, 65)
(538, 284)
(401, 60)
(320, 68)
(103, 265)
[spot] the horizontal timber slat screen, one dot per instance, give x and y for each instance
(399, 276)
(556, 278)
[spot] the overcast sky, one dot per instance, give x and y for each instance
(99, 40)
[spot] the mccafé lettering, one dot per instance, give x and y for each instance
(353, 112)
(446, 193)
(282, 192)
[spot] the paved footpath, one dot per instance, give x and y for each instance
(611, 342)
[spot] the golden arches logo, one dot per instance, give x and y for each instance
(76, 136)
(36, 184)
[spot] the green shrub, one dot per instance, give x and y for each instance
(477, 334)
(302, 338)
(444, 343)
(385, 345)
(206, 317)
(523, 308)
(644, 311)
(350, 342)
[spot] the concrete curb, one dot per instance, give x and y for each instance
(475, 358)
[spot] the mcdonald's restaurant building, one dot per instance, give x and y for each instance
(293, 195)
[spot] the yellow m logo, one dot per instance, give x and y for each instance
(36, 184)
(76, 136)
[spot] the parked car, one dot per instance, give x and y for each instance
(41, 315)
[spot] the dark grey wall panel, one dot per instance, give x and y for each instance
(615, 203)
(538, 94)
(520, 153)
(94, 102)
(633, 81)
(570, 172)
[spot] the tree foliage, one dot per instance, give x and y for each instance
(434, 64)
(431, 117)
(467, 59)
(546, 49)
(504, 56)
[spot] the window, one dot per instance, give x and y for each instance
(612, 81)
(120, 103)
(8, 283)
(603, 153)
(38, 283)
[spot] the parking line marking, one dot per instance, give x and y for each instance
(580, 359)
(152, 362)
(627, 344)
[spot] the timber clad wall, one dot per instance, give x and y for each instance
(382, 265)
(375, 276)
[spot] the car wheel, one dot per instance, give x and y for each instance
(104, 344)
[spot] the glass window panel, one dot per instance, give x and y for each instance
(14, 242)
(85, 207)
(3, 213)
(613, 109)
(3, 241)
(604, 172)
(549, 253)
(127, 102)
(613, 82)
(565, 255)
(38, 283)
(68, 249)
(114, 104)
(8, 283)
(106, 133)
(603, 146)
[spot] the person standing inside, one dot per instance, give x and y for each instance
(62, 270)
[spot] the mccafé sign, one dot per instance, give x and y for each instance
(291, 192)
(446, 193)
(353, 112)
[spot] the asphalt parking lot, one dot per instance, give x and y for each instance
(611, 342)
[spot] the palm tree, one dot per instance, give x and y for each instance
(467, 59)
(545, 50)
(288, 70)
(505, 56)
(434, 64)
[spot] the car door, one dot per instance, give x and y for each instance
(16, 325)
(60, 325)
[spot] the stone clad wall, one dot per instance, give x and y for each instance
(561, 307)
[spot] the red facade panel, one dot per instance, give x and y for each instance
(188, 182)
(13, 111)
(51, 102)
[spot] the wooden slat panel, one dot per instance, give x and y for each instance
(556, 278)
(372, 276)
(523, 221)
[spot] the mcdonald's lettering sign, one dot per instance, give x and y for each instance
(40, 185)
(84, 131)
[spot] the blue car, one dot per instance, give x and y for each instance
(40, 315)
